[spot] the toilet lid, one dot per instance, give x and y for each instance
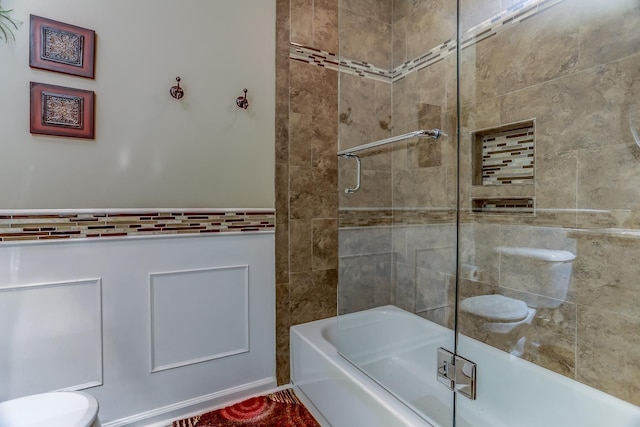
(56, 409)
(496, 307)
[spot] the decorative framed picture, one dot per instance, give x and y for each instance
(62, 111)
(61, 47)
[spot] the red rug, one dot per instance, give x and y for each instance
(280, 409)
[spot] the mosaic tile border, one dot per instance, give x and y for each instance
(330, 60)
(506, 19)
(512, 205)
(431, 57)
(374, 217)
(59, 225)
(488, 28)
(508, 157)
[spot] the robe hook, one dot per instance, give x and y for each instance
(242, 101)
(176, 91)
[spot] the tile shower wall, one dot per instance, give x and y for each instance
(575, 68)
(414, 194)
(424, 171)
(408, 189)
(365, 238)
(306, 171)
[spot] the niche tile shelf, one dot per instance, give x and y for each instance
(504, 155)
(520, 206)
(503, 165)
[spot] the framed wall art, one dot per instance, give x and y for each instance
(62, 111)
(60, 47)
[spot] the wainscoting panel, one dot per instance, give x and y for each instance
(51, 335)
(198, 315)
(209, 291)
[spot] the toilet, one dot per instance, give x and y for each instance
(54, 409)
(545, 274)
(501, 319)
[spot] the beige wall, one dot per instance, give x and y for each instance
(150, 150)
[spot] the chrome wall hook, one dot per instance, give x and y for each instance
(176, 91)
(242, 101)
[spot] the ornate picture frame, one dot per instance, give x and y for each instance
(60, 47)
(62, 111)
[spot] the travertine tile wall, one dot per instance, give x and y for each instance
(408, 189)
(365, 240)
(306, 172)
(394, 178)
(365, 104)
(424, 171)
(365, 271)
(575, 68)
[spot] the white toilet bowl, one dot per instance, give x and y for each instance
(55, 409)
(543, 275)
(502, 319)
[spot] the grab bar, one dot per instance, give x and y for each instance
(358, 165)
(348, 153)
(434, 133)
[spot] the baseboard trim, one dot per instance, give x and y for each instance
(163, 416)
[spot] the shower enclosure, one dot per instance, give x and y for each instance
(519, 227)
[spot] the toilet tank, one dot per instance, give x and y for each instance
(545, 274)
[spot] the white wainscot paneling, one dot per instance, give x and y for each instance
(50, 337)
(198, 315)
(198, 296)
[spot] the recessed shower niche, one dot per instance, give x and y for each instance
(503, 166)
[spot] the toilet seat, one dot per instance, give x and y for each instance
(56, 409)
(496, 308)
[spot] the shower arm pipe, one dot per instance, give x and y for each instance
(433, 133)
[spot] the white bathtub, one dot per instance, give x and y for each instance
(511, 391)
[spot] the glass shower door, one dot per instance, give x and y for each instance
(397, 235)
(549, 212)
(513, 240)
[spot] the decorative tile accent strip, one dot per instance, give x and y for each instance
(424, 216)
(364, 217)
(50, 226)
(330, 60)
(372, 217)
(504, 206)
(506, 19)
(436, 54)
(508, 157)
(498, 23)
